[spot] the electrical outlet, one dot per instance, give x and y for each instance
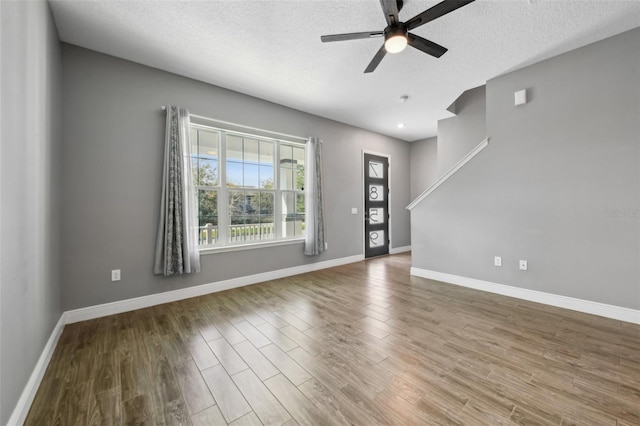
(497, 261)
(523, 265)
(354, 210)
(115, 275)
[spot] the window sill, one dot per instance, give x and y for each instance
(239, 247)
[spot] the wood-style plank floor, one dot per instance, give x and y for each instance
(361, 344)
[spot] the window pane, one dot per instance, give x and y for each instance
(251, 178)
(266, 177)
(207, 172)
(286, 155)
(234, 147)
(288, 203)
(291, 158)
(204, 145)
(234, 174)
(292, 226)
(299, 177)
(251, 216)
(266, 165)
(193, 136)
(250, 150)
(286, 178)
(208, 217)
(208, 143)
(234, 161)
(300, 212)
(298, 155)
(208, 204)
(238, 206)
(265, 200)
(267, 225)
(291, 222)
(194, 170)
(266, 153)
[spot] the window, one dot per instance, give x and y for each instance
(250, 188)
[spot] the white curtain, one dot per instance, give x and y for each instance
(177, 241)
(314, 242)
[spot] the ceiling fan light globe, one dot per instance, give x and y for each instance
(395, 43)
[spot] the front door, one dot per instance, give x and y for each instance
(376, 205)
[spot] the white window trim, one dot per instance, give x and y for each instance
(260, 244)
(223, 207)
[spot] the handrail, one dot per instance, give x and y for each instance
(464, 160)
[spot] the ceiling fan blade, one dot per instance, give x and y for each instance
(435, 12)
(351, 36)
(426, 46)
(390, 10)
(376, 60)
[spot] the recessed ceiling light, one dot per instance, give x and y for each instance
(400, 125)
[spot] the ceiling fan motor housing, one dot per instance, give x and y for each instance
(395, 30)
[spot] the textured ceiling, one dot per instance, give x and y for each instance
(272, 49)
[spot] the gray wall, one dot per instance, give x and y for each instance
(29, 192)
(432, 157)
(542, 189)
(458, 135)
(113, 149)
(424, 163)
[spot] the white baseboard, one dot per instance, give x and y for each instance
(580, 305)
(21, 409)
(396, 250)
(120, 306)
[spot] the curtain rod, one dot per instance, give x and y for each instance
(164, 108)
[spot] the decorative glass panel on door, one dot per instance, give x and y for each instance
(376, 170)
(376, 192)
(376, 215)
(376, 238)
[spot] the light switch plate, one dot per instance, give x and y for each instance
(354, 210)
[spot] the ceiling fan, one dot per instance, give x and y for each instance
(397, 35)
